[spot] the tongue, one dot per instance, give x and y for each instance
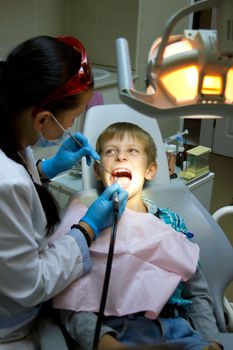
(123, 181)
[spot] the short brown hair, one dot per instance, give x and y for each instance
(120, 129)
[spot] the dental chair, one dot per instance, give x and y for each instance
(216, 252)
(49, 336)
(228, 306)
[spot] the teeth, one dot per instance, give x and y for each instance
(122, 173)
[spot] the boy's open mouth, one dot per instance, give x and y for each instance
(123, 176)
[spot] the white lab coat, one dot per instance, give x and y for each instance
(31, 271)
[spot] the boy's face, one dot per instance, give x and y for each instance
(127, 161)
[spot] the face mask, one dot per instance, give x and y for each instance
(43, 142)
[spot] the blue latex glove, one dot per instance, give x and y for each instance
(68, 155)
(100, 214)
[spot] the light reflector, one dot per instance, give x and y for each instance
(212, 85)
(229, 86)
(188, 83)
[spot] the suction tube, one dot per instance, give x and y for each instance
(107, 273)
(115, 201)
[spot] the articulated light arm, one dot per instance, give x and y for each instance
(208, 65)
(198, 6)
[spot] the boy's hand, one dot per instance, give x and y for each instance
(108, 342)
(214, 346)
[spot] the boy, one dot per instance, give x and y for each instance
(146, 302)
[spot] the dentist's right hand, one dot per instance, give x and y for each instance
(100, 214)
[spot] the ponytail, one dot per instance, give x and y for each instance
(31, 72)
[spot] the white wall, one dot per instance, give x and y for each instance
(97, 23)
(22, 19)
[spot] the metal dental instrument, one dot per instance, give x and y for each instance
(78, 142)
(115, 197)
(103, 167)
(115, 194)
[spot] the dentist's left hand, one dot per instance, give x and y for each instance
(68, 155)
(100, 214)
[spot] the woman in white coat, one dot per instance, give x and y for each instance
(45, 83)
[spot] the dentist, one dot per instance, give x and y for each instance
(42, 81)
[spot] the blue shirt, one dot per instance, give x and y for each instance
(177, 223)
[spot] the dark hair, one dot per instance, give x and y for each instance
(31, 72)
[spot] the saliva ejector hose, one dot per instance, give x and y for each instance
(110, 251)
(107, 271)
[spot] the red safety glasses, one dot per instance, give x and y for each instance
(80, 81)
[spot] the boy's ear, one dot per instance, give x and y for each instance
(97, 171)
(151, 171)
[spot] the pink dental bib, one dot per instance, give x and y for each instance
(150, 259)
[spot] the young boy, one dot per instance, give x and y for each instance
(156, 290)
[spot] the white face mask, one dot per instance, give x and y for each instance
(44, 142)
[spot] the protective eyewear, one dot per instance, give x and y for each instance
(80, 82)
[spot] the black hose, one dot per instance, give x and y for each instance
(106, 278)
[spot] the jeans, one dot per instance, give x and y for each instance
(137, 330)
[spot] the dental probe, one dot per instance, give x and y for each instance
(115, 194)
(78, 142)
(103, 167)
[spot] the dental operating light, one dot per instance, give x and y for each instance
(189, 75)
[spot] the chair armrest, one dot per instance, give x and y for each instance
(218, 214)
(50, 335)
(228, 309)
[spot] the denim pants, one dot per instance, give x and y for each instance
(137, 330)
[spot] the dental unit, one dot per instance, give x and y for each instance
(188, 75)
